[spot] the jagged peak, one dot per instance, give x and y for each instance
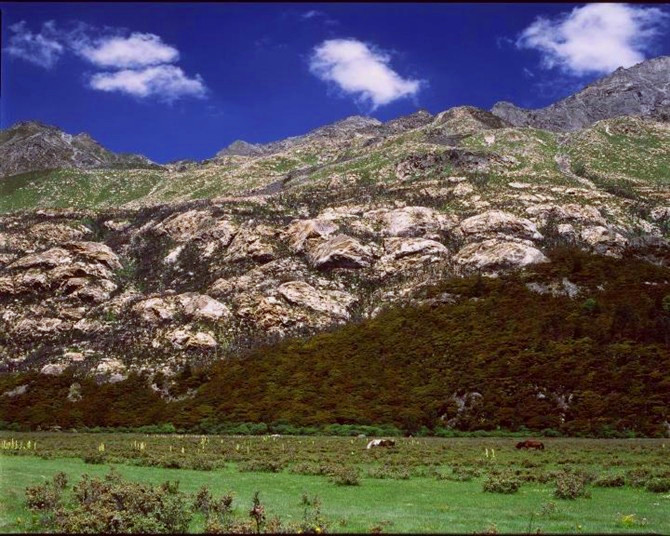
(31, 125)
(240, 148)
(468, 117)
(609, 96)
(353, 122)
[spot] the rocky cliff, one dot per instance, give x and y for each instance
(641, 90)
(32, 146)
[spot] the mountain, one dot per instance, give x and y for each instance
(33, 146)
(339, 130)
(640, 90)
(296, 270)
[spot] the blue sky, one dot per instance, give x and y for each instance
(176, 81)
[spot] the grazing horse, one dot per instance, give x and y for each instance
(530, 444)
(381, 443)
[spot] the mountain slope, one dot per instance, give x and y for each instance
(641, 90)
(107, 274)
(32, 146)
(513, 352)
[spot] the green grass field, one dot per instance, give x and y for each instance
(405, 489)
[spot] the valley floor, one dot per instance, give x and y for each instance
(421, 485)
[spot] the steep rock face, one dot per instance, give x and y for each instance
(494, 254)
(332, 303)
(341, 251)
(31, 146)
(643, 89)
(496, 221)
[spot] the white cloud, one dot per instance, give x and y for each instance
(42, 49)
(165, 82)
(137, 50)
(142, 61)
(595, 38)
(358, 70)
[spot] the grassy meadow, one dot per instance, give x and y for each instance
(420, 485)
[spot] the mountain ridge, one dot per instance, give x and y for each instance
(28, 146)
(642, 89)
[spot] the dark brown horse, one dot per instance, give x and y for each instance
(530, 444)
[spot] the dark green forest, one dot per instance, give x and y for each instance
(596, 364)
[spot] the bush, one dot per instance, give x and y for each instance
(203, 500)
(60, 481)
(658, 485)
(570, 485)
(113, 504)
(459, 474)
(384, 471)
(43, 497)
(312, 469)
(610, 481)
(345, 476)
(312, 521)
(637, 478)
(200, 464)
(579, 168)
(501, 484)
(170, 463)
(223, 506)
(94, 458)
(261, 466)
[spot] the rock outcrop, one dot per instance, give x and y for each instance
(31, 146)
(642, 89)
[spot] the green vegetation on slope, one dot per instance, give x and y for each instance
(616, 154)
(596, 364)
(75, 188)
(625, 149)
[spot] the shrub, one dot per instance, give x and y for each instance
(658, 485)
(345, 476)
(570, 485)
(395, 473)
(548, 509)
(312, 521)
(637, 478)
(203, 500)
(610, 481)
(113, 504)
(257, 513)
(261, 466)
(312, 469)
(218, 519)
(94, 458)
(170, 463)
(501, 484)
(591, 306)
(223, 506)
(459, 474)
(200, 464)
(60, 481)
(43, 497)
(579, 168)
